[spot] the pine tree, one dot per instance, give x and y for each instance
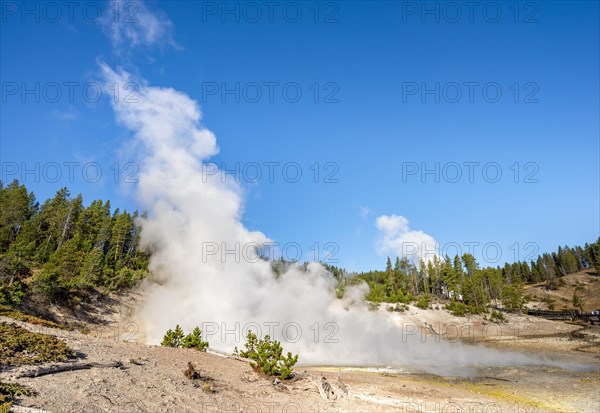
(120, 239)
(470, 264)
(577, 301)
(61, 271)
(91, 271)
(16, 207)
(194, 340)
(535, 273)
(390, 281)
(173, 338)
(551, 272)
(571, 264)
(267, 356)
(53, 216)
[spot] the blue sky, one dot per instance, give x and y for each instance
(361, 119)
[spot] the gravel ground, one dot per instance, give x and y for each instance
(152, 379)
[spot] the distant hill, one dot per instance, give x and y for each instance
(586, 283)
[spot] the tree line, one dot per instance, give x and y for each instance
(461, 279)
(62, 247)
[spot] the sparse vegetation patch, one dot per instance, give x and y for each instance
(9, 393)
(28, 318)
(21, 346)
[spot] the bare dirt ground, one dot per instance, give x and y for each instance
(152, 379)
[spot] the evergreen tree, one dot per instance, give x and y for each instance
(577, 301)
(16, 207)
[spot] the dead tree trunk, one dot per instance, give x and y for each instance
(58, 368)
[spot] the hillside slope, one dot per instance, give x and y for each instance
(585, 283)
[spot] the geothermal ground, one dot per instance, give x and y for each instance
(151, 378)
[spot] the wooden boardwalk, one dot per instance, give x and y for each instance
(593, 318)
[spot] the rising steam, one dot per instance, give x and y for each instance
(189, 211)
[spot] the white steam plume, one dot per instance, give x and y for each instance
(188, 211)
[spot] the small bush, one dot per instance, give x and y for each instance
(9, 393)
(49, 282)
(194, 340)
(176, 338)
(497, 317)
(402, 298)
(457, 308)
(377, 293)
(422, 302)
(173, 338)
(267, 356)
(12, 294)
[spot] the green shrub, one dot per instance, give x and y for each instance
(408, 298)
(173, 338)
(400, 298)
(457, 308)
(50, 282)
(124, 278)
(9, 393)
(194, 340)
(176, 338)
(21, 346)
(267, 356)
(12, 294)
(497, 317)
(377, 293)
(422, 302)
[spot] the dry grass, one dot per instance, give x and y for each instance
(585, 283)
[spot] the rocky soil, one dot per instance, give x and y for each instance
(152, 379)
